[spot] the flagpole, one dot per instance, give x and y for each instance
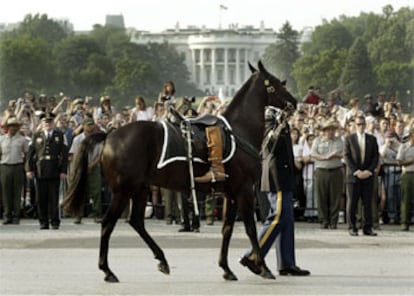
(220, 12)
(221, 8)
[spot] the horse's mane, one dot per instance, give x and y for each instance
(239, 94)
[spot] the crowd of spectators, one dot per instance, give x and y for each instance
(384, 119)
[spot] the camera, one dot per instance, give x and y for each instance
(190, 99)
(165, 98)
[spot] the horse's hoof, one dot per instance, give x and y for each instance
(164, 268)
(111, 278)
(229, 276)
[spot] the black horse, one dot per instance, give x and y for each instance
(129, 163)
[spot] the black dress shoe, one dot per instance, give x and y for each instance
(405, 227)
(197, 230)
(7, 222)
(55, 226)
(184, 229)
(353, 232)
(44, 226)
(246, 262)
(295, 271)
(370, 233)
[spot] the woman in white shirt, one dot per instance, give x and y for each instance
(141, 111)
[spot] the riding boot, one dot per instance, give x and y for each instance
(215, 146)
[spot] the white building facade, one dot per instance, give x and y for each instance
(216, 58)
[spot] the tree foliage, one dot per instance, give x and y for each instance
(41, 55)
(389, 48)
(25, 65)
(280, 57)
(357, 78)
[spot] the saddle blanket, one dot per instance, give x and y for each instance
(174, 147)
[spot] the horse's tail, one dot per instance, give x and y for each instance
(76, 193)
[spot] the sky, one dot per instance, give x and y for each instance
(158, 15)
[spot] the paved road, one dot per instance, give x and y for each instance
(64, 262)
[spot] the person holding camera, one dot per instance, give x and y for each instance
(168, 91)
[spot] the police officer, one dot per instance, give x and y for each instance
(47, 161)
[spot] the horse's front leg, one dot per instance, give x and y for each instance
(107, 226)
(229, 216)
(247, 211)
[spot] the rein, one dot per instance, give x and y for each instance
(274, 133)
(245, 145)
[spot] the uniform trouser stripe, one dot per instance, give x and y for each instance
(275, 220)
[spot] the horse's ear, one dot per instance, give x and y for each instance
(252, 69)
(261, 67)
(283, 82)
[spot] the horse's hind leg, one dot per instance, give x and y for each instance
(229, 216)
(108, 223)
(137, 222)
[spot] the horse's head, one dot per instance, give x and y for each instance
(278, 95)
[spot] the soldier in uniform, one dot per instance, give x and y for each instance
(278, 181)
(47, 162)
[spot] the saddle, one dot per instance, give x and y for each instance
(175, 138)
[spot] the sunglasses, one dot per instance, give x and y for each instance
(360, 124)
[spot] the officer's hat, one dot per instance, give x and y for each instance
(47, 116)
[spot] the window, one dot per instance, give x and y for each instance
(220, 55)
(220, 75)
(232, 55)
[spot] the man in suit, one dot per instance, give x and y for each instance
(47, 161)
(278, 181)
(361, 158)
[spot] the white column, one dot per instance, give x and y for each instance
(238, 82)
(226, 70)
(246, 68)
(213, 67)
(193, 66)
(201, 84)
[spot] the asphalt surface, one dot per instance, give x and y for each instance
(64, 262)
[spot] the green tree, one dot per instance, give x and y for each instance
(323, 69)
(41, 26)
(357, 77)
(170, 65)
(329, 35)
(82, 66)
(25, 64)
(132, 78)
(281, 56)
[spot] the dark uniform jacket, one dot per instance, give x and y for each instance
(47, 158)
(281, 164)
